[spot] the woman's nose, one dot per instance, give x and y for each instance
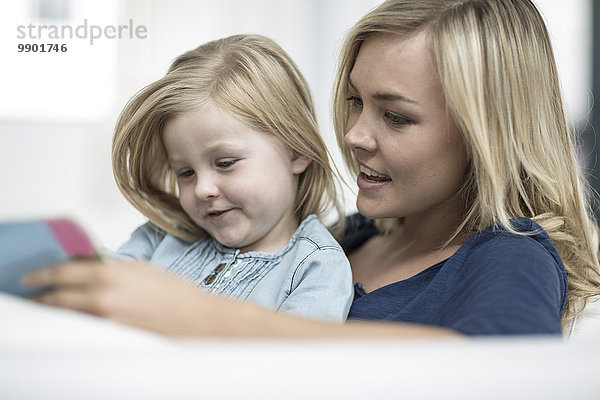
(360, 134)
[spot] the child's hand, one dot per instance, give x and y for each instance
(134, 293)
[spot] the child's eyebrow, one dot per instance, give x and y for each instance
(224, 146)
(219, 147)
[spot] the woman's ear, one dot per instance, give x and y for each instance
(299, 163)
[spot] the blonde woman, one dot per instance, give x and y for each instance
(473, 156)
(224, 157)
(450, 114)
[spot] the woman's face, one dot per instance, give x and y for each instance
(412, 158)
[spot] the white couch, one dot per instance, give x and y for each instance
(48, 353)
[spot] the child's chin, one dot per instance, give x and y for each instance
(231, 242)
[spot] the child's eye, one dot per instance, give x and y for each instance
(355, 102)
(186, 173)
(396, 120)
(224, 164)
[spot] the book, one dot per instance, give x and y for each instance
(26, 246)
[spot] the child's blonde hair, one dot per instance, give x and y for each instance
(247, 75)
(498, 75)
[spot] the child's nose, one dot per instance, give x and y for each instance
(206, 188)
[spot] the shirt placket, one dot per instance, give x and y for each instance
(222, 273)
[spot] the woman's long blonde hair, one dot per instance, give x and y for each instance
(497, 70)
(247, 75)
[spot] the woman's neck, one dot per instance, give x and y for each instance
(399, 255)
(427, 236)
(434, 229)
(417, 244)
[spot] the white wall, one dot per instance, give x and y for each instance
(57, 110)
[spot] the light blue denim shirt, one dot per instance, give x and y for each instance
(309, 277)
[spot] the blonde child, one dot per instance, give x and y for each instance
(224, 157)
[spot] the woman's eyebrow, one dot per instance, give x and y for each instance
(385, 96)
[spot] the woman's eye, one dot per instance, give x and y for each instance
(225, 163)
(395, 119)
(355, 102)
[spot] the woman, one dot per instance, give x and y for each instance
(450, 114)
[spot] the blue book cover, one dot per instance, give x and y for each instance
(29, 245)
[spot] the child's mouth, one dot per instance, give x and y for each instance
(218, 214)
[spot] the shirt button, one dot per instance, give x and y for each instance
(219, 268)
(210, 279)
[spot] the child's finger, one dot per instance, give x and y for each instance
(72, 273)
(69, 298)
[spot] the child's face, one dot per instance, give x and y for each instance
(237, 184)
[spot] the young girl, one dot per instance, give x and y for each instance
(224, 157)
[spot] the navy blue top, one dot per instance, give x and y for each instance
(496, 283)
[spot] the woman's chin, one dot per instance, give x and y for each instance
(373, 209)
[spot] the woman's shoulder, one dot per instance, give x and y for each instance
(524, 237)
(514, 280)
(527, 253)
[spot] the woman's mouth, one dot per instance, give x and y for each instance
(373, 176)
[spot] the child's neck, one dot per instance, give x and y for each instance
(277, 238)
